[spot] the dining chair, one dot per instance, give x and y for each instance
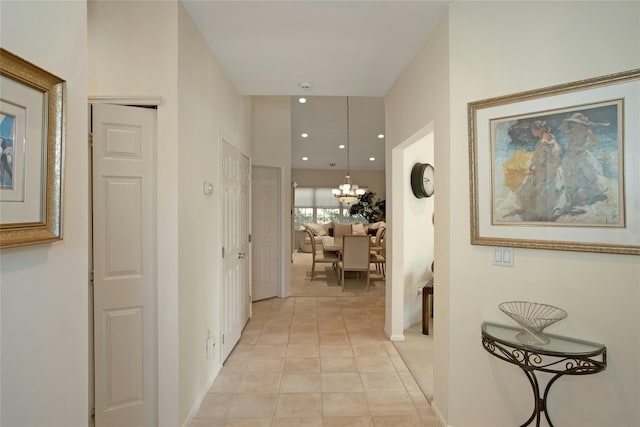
(355, 256)
(377, 239)
(378, 252)
(324, 258)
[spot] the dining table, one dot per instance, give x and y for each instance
(331, 244)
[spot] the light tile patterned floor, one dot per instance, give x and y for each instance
(315, 361)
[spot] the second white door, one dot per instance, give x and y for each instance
(265, 201)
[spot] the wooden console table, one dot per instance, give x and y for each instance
(561, 356)
(427, 303)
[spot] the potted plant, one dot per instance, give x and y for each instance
(369, 207)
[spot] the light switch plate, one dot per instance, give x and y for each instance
(502, 257)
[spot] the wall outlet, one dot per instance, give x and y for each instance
(209, 344)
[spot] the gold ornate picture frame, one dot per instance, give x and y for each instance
(32, 156)
(558, 167)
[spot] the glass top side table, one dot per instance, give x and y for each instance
(561, 356)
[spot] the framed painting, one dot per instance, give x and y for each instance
(32, 156)
(558, 167)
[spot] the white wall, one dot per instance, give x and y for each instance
(199, 103)
(208, 106)
(44, 363)
(494, 51)
(418, 105)
(498, 48)
(133, 51)
(271, 130)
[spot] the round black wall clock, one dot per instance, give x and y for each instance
(422, 180)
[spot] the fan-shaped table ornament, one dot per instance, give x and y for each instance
(532, 317)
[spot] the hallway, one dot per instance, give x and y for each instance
(315, 361)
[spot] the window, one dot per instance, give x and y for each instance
(327, 215)
(352, 219)
(302, 216)
(319, 205)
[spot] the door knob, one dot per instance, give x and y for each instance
(241, 255)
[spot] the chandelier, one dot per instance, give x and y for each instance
(348, 192)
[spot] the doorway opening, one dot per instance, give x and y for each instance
(412, 246)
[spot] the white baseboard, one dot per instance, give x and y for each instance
(393, 337)
(198, 402)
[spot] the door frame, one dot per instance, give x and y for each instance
(400, 191)
(142, 102)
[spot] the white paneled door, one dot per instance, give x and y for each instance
(124, 265)
(265, 202)
(235, 298)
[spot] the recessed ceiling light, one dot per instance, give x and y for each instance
(305, 158)
(302, 100)
(380, 135)
(371, 159)
(341, 146)
(304, 134)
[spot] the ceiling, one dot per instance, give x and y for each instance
(355, 48)
(324, 119)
